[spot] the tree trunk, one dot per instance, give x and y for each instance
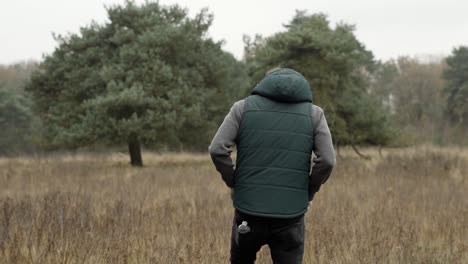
(380, 151)
(337, 147)
(359, 153)
(135, 151)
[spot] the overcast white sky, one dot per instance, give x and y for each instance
(387, 27)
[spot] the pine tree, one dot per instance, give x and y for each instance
(150, 75)
(338, 69)
(456, 75)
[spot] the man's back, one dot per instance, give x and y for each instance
(274, 148)
(275, 130)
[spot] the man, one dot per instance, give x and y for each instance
(276, 129)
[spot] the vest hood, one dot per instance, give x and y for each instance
(284, 85)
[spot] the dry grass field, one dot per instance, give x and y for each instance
(408, 206)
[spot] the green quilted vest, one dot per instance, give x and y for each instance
(274, 147)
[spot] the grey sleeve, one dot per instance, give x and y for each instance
(324, 160)
(223, 142)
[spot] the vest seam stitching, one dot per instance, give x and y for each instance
(275, 130)
(272, 185)
(311, 119)
(276, 149)
(270, 167)
(283, 112)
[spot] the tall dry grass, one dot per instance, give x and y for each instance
(409, 206)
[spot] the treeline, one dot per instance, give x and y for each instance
(152, 76)
(423, 99)
(17, 121)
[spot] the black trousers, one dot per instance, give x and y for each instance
(285, 237)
